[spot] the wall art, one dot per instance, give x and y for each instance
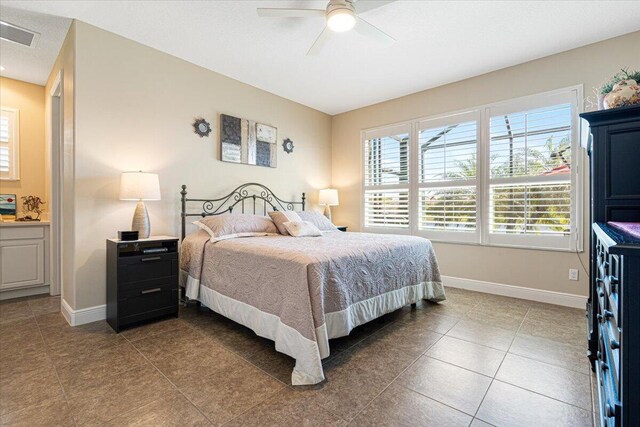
(201, 127)
(8, 206)
(247, 142)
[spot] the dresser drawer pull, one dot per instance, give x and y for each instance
(151, 258)
(610, 410)
(151, 291)
(604, 366)
(607, 314)
(615, 345)
(601, 293)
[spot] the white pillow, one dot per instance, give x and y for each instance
(302, 229)
(317, 219)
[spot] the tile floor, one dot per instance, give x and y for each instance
(473, 360)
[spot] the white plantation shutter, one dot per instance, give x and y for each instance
(447, 177)
(386, 178)
(9, 151)
(501, 174)
(530, 175)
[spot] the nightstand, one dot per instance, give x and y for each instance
(342, 227)
(142, 280)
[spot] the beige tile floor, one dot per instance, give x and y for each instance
(475, 359)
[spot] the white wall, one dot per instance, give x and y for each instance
(134, 110)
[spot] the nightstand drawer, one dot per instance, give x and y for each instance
(157, 294)
(135, 269)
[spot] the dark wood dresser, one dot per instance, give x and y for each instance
(613, 308)
(142, 280)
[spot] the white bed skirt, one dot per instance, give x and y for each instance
(307, 353)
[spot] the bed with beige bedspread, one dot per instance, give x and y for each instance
(301, 292)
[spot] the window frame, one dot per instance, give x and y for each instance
(380, 132)
(14, 145)
(573, 242)
(440, 235)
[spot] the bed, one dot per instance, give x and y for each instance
(301, 292)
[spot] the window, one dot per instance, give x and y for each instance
(501, 174)
(447, 177)
(386, 178)
(9, 144)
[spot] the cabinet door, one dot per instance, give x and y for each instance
(21, 263)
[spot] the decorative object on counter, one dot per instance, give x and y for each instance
(328, 197)
(8, 206)
(127, 236)
(247, 142)
(201, 127)
(287, 144)
(620, 90)
(140, 186)
(31, 204)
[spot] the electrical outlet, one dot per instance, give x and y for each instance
(573, 274)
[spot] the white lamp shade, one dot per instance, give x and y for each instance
(329, 197)
(139, 186)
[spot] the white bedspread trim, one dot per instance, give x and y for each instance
(308, 354)
(190, 284)
(340, 323)
(308, 368)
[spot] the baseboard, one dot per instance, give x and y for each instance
(83, 315)
(24, 292)
(539, 295)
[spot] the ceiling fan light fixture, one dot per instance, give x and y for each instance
(341, 18)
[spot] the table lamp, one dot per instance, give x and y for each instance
(140, 186)
(328, 197)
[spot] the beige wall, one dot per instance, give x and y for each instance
(65, 67)
(134, 110)
(29, 99)
(546, 270)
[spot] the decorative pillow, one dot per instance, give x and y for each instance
(317, 219)
(280, 217)
(302, 229)
(221, 225)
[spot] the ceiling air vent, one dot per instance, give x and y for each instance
(19, 35)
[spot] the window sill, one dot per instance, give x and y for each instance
(495, 245)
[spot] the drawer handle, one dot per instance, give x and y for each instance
(150, 291)
(607, 314)
(604, 366)
(151, 258)
(610, 410)
(615, 345)
(601, 293)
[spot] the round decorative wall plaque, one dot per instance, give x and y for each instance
(201, 127)
(287, 144)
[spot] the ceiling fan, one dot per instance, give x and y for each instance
(340, 15)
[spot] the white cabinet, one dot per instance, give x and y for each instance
(24, 256)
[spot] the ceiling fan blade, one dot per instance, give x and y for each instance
(373, 32)
(317, 46)
(367, 5)
(266, 12)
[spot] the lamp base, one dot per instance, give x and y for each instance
(327, 211)
(140, 221)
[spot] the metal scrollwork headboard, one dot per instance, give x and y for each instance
(250, 198)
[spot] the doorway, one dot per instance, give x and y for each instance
(57, 170)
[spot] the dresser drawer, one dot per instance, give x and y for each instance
(606, 397)
(610, 355)
(156, 295)
(137, 268)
